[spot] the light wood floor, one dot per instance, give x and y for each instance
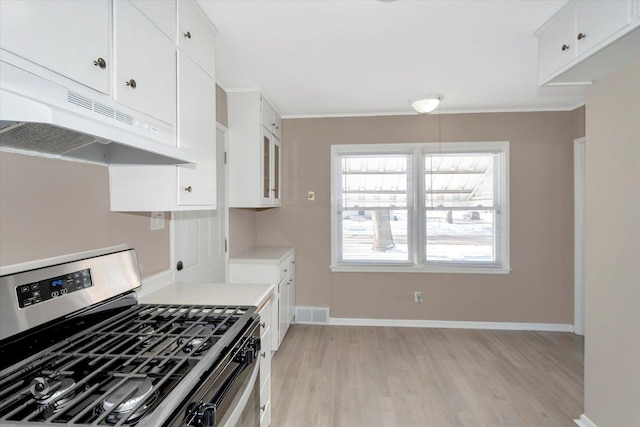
(373, 376)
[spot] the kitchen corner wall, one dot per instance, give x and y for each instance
(612, 265)
(51, 207)
(539, 288)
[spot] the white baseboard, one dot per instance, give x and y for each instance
(585, 422)
(511, 326)
(155, 282)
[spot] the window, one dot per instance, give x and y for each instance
(420, 207)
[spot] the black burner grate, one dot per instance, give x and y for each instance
(117, 371)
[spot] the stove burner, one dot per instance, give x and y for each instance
(196, 345)
(52, 392)
(141, 389)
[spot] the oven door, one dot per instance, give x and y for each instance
(245, 410)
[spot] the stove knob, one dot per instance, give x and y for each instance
(204, 415)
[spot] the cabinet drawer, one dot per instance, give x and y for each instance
(196, 35)
(265, 404)
(264, 357)
(283, 270)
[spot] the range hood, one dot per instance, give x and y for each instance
(40, 116)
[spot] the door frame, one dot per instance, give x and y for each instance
(579, 157)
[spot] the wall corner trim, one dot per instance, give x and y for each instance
(584, 421)
(453, 324)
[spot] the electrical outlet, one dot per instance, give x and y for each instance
(157, 220)
(417, 296)
(311, 195)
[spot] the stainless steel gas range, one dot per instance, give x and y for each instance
(77, 349)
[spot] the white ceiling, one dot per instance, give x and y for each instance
(340, 57)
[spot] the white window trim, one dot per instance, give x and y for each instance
(416, 266)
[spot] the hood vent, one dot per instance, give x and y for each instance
(39, 116)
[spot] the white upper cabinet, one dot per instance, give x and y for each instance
(195, 35)
(184, 187)
(586, 40)
(70, 38)
(254, 151)
(145, 72)
(196, 134)
(161, 12)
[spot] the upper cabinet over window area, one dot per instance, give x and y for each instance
(586, 40)
(254, 151)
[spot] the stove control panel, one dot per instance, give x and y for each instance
(54, 287)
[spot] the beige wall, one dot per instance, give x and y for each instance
(243, 232)
(540, 286)
(612, 274)
(53, 207)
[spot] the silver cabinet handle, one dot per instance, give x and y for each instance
(581, 36)
(565, 47)
(264, 354)
(263, 407)
(263, 324)
(188, 189)
(187, 34)
(132, 83)
(100, 62)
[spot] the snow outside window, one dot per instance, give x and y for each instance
(420, 207)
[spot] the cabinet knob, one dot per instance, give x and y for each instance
(100, 62)
(179, 266)
(131, 83)
(581, 36)
(263, 407)
(188, 34)
(565, 47)
(188, 189)
(263, 354)
(263, 324)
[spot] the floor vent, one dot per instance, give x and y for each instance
(312, 315)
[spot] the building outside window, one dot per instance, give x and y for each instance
(420, 207)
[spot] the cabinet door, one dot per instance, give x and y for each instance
(196, 133)
(63, 36)
(277, 123)
(195, 35)
(145, 73)
(267, 115)
(557, 42)
(292, 291)
(266, 168)
(283, 308)
(598, 20)
(276, 155)
(161, 12)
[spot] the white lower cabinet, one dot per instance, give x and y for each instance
(272, 265)
(265, 364)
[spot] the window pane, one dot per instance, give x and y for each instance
(460, 236)
(459, 180)
(375, 235)
(374, 193)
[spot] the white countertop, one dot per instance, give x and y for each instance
(211, 294)
(262, 254)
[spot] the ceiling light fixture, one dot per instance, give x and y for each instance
(426, 105)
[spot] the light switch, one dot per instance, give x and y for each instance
(311, 195)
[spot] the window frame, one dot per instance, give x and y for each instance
(417, 226)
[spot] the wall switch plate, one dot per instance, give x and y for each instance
(417, 296)
(157, 221)
(311, 195)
